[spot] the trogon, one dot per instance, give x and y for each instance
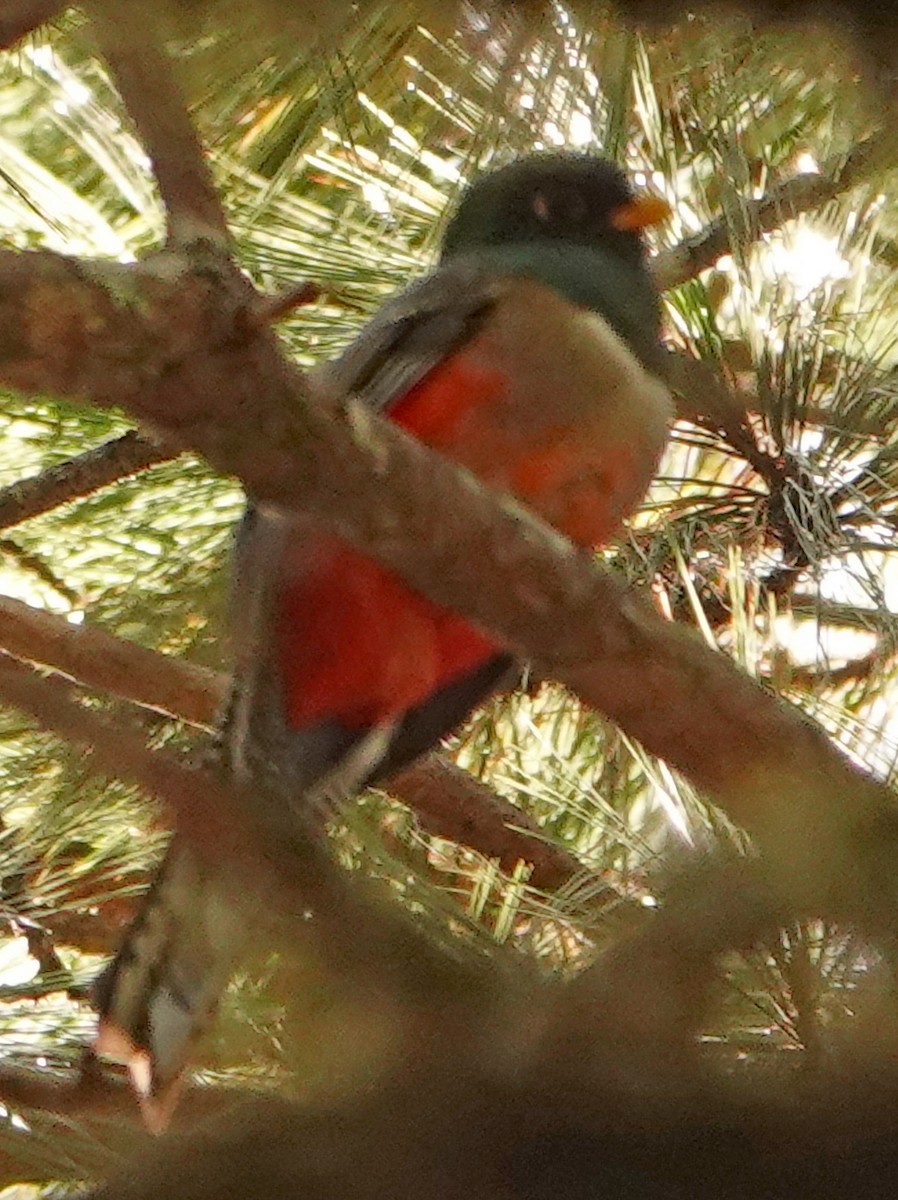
(531, 356)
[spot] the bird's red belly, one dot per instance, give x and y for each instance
(356, 643)
(360, 646)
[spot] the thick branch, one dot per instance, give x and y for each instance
(448, 801)
(77, 477)
(171, 359)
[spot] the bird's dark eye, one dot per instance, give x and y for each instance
(576, 207)
(565, 207)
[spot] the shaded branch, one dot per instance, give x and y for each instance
(268, 310)
(448, 801)
(464, 1023)
(105, 663)
(98, 1091)
(207, 811)
(78, 476)
(356, 927)
(99, 926)
(21, 17)
(857, 670)
(96, 1107)
(113, 751)
(831, 831)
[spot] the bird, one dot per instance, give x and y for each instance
(530, 355)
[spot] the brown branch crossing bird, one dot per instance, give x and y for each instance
(531, 356)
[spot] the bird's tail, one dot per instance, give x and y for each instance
(159, 994)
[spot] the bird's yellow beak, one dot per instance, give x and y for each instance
(639, 213)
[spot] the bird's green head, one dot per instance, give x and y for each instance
(574, 223)
(571, 199)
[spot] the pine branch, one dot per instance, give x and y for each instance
(849, 616)
(451, 803)
(789, 199)
(21, 17)
(174, 360)
(207, 811)
(95, 1108)
(448, 801)
(78, 476)
(114, 751)
(856, 671)
(105, 663)
(356, 929)
(144, 77)
(97, 1091)
(450, 1012)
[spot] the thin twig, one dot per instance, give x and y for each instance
(28, 562)
(797, 195)
(78, 476)
(144, 77)
(270, 309)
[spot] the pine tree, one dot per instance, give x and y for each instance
(337, 151)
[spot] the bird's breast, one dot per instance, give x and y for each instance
(545, 402)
